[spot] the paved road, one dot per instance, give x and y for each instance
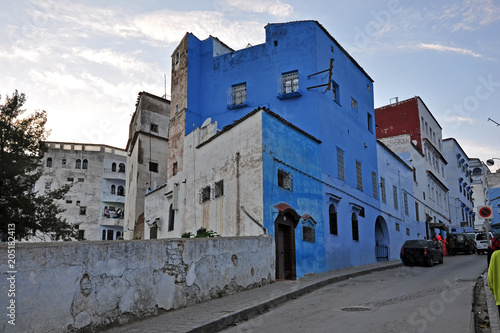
(404, 299)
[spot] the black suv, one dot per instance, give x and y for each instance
(463, 243)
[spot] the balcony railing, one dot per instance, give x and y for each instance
(109, 174)
(109, 197)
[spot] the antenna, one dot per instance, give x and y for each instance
(489, 119)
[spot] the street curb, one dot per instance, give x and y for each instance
(257, 310)
(492, 306)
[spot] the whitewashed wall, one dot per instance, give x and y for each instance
(63, 287)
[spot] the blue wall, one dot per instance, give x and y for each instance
(293, 152)
(307, 48)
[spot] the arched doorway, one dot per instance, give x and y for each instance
(382, 241)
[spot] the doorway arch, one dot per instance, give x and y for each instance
(382, 240)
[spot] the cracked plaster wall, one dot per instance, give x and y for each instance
(85, 287)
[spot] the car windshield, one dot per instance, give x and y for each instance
(460, 238)
(417, 243)
(480, 236)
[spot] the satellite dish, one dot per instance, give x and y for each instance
(206, 122)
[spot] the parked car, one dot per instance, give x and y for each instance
(463, 243)
(482, 242)
(421, 251)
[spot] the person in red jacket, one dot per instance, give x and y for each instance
(495, 245)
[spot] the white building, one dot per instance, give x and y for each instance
(480, 192)
(410, 130)
(459, 181)
(147, 152)
(95, 204)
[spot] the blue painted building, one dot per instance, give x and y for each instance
(319, 185)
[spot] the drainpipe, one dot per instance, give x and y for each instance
(238, 226)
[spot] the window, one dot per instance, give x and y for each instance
(78, 202)
(397, 226)
(85, 164)
(335, 92)
(174, 169)
(284, 180)
(370, 122)
(308, 234)
(374, 185)
(289, 82)
(237, 95)
(63, 162)
(78, 164)
(405, 197)
(382, 190)
(171, 217)
(407, 231)
(355, 230)
(120, 191)
(153, 167)
(49, 162)
(81, 180)
(83, 210)
(154, 128)
(205, 194)
(395, 195)
(153, 232)
(354, 103)
(70, 179)
(69, 201)
(417, 215)
(81, 235)
(121, 168)
(219, 189)
(359, 176)
(113, 189)
(333, 220)
(113, 167)
(340, 164)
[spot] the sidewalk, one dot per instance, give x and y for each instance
(492, 306)
(217, 314)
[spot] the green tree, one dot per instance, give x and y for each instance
(21, 151)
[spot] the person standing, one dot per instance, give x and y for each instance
(494, 277)
(451, 245)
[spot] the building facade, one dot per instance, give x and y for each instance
(459, 181)
(147, 153)
(410, 130)
(95, 203)
(480, 189)
(276, 138)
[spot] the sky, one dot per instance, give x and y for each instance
(84, 62)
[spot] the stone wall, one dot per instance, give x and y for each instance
(87, 286)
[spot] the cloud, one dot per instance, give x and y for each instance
(443, 48)
(452, 119)
(170, 27)
(275, 8)
(470, 14)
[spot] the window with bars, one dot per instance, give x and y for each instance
(395, 196)
(359, 176)
(205, 194)
(340, 164)
(288, 83)
(335, 92)
(374, 185)
(308, 234)
(237, 95)
(405, 197)
(417, 215)
(382, 190)
(219, 189)
(284, 180)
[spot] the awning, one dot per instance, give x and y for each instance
(441, 226)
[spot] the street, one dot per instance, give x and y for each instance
(405, 299)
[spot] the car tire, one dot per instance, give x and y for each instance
(441, 259)
(431, 262)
